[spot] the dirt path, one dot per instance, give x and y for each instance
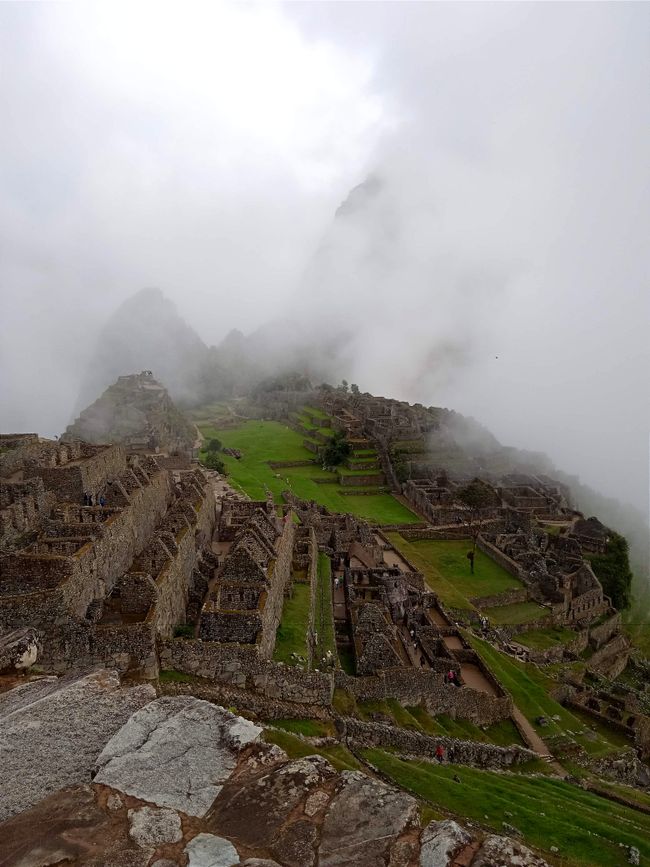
(533, 740)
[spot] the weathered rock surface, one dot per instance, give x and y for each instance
(440, 842)
(502, 850)
(270, 798)
(206, 850)
(19, 650)
(175, 752)
(151, 827)
(363, 821)
(52, 730)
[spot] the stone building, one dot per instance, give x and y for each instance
(100, 582)
(245, 601)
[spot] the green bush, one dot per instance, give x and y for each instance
(185, 630)
(337, 450)
(212, 461)
(214, 445)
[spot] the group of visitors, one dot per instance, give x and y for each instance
(91, 499)
(440, 753)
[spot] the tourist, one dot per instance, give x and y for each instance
(440, 753)
(451, 754)
(102, 501)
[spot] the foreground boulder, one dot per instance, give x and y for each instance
(19, 650)
(184, 782)
(176, 752)
(363, 821)
(53, 729)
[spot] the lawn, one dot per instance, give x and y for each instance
(340, 757)
(291, 636)
(585, 828)
(530, 690)
(417, 718)
(308, 727)
(519, 612)
(446, 569)
(542, 639)
(264, 441)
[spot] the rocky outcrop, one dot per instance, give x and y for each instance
(184, 782)
(19, 650)
(383, 814)
(137, 412)
(441, 842)
(175, 752)
(52, 730)
(503, 850)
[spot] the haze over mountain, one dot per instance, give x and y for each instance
(496, 262)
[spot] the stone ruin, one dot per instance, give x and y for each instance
(100, 583)
(244, 605)
(138, 413)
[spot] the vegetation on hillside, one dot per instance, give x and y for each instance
(337, 450)
(613, 571)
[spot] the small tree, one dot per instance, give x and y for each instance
(214, 445)
(337, 450)
(478, 496)
(354, 388)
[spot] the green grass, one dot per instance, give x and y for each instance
(291, 636)
(323, 614)
(308, 727)
(586, 828)
(317, 413)
(530, 688)
(542, 639)
(171, 676)
(343, 702)
(264, 441)
(340, 757)
(446, 568)
(503, 733)
(518, 612)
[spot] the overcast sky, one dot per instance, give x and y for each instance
(501, 270)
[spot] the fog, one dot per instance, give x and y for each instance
(496, 263)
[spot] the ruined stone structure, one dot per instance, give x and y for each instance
(137, 412)
(100, 582)
(245, 602)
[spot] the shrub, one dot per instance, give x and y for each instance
(184, 630)
(214, 445)
(212, 461)
(337, 450)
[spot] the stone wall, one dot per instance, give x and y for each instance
(499, 557)
(508, 597)
(243, 667)
(416, 535)
(601, 634)
(410, 743)
(279, 581)
(71, 478)
(611, 658)
(366, 481)
(428, 688)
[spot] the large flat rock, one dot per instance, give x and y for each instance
(510, 853)
(53, 729)
(363, 821)
(441, 841)
(176, 752)
(270, 798)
